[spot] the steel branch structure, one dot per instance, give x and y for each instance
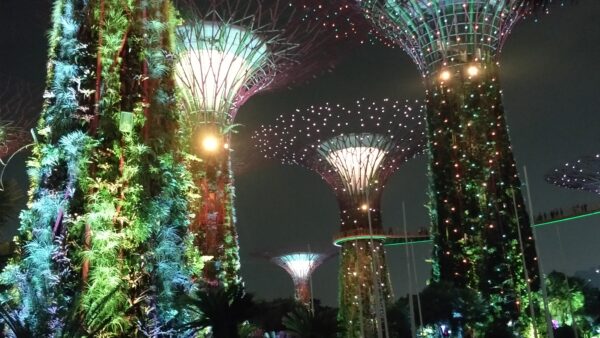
(582, 174)
(300, 266)
(456, 46)
(439, 33)
(226, 51)
(355, 150)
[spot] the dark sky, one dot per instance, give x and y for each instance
(551, 81)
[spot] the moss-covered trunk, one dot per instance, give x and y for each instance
(102, 240)
(473, 178)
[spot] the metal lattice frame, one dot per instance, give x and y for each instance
(350, 148)
(300, 265)
(248, 46)
(442, 32)
(356, 157)
(215, 61)
(583, 174)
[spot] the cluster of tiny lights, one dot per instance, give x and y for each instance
(349, 147)
(300, 265)
(583, 174)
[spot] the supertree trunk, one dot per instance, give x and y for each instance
(364, 280)
(473, 181)
(214, 225)
(359, 299)
(302, 290)
(103, 239)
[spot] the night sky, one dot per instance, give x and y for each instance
(551, 81)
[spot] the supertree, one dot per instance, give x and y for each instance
(582, 174)
(456, 46)
(227, 51)
(300, 266)
(100, 248)
(355, 150)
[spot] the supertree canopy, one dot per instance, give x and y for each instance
(226, 51)
(456, 45)
(300, 266)
(582, 174)
(355, 150)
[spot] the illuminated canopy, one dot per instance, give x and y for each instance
(300, 265)
(228, 50)
(356, 157)
(351, 148)
(583, 174)
(446, 31)
(214, 61)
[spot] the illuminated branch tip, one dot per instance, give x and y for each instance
(582, 174)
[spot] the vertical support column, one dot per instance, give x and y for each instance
(473, 175)
(214, 224)
(358, 303)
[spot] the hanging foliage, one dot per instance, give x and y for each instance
(105, 231)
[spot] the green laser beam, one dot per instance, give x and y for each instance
(406, 243)
(597, 212)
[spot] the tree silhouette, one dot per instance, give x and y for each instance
(220, 309)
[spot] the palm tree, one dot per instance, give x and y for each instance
(269, 314)
(460, 309)
(223, 310)
(398, 315)
(302, 323)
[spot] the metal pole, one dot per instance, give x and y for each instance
(549, 327)
(531, 309)
(412, 250)
(413, 326)
(312, 299)
(360, 297)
